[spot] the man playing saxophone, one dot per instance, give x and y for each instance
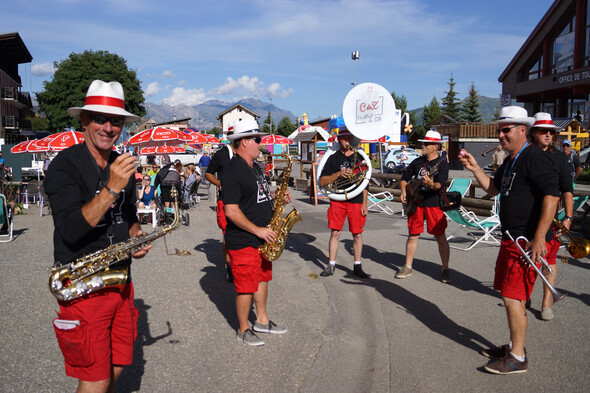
(248, 208)
(92, 199)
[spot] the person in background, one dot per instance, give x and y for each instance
(146, 194)
(498, 158)
(138, 175)
(1, 159)
(191, 176)
(46, 162)
(204, 161)
(573, 159)
(443, 153)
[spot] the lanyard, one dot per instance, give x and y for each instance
(506, 178)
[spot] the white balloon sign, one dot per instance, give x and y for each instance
(369, 111)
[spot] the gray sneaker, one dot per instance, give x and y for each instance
(546, 314)
(248, 337)
(328, 271)
(404, 272)
(270, 327)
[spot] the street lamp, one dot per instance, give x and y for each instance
(270, 98)
(356, 55)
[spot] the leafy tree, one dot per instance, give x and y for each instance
(450, 102)
(71, 80)
(431, 111)
(38, 123)
(285, 127)
(496, 114)
(470, 107)
(400, 102)
(266, 126)
(214, 131)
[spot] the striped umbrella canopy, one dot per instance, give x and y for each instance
(275, 140)
(161, 150)
(22, 147)
(158, 137)
(65, 139)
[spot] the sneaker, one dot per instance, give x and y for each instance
(498, 352)
(249, 338)
(270, 327)
(507, 365)
(328, 271)
(445, 276)
(404, 272)
(228, 274)
(546, 314)
(358, 271)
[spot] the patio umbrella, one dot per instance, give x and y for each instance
(275, 140)
(65, 139)
(22, 147)
(158, 137)
(161, 150)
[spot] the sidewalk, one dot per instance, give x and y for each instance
(345, 334)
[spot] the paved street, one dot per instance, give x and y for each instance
(345, 334)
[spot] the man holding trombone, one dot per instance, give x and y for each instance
(527, 184)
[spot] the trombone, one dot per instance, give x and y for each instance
(526, 255)
(578, 248)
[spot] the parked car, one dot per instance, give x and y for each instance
(392, 162)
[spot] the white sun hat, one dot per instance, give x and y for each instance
(246, 128)
(515, 115)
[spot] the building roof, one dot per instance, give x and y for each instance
(563, 122)
(12, 47)
(305, 136)
(184, 120)
(256, 115)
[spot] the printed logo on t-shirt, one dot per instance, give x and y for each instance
(507, 184)
(345, 165)
(263, 190)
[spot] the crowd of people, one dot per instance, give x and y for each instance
(95, 192)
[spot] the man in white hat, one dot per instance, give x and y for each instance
(92, 195)
(542, 135)
(430, 172)
(214, 173)
(340, 165)
(248, 207)
(527, 184)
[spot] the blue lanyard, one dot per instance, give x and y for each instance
(505, 178)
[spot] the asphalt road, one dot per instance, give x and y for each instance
(345, 334)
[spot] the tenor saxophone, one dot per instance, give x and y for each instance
(93, 272)
(273, 250)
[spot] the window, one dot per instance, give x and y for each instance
(563, 48)
(535, 70)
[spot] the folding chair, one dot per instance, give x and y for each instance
(6, 220)
(471, 224)
(207, 185)
(462, 186)
(377, 202)
(578, 202)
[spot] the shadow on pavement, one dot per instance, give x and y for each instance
(130, 380)
(300, 243)
(428, 313)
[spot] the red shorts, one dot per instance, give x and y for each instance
(514, 278)
(338, 211)
(249, 269)
(552, 249)
(436, 223)
(104, 337)
(221, 220)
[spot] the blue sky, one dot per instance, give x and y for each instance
(297, 53)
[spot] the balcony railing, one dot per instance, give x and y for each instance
(468, 130)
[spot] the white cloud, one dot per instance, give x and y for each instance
(181, 83)
(180, 96)
(250, 85)
(42, 69)
(168, 74)
(152, 89)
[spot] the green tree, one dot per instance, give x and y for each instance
(214, 131)
(267, 124)
(431, 112)
(38, 123)
(470, 108)
(496, 114)
(70, 82)
(450, 102)
(285, 127)
(400, 102)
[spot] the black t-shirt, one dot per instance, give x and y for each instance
(73, 180)
(533, 176)
(337, 162)
(218, 162)
(420, 167)
(247, 188)
(562, 167)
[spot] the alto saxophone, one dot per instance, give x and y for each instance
(272, 251)
(93, 272)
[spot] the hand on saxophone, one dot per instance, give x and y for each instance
(266, 234)
(135, 231)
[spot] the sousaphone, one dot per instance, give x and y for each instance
(369, 113)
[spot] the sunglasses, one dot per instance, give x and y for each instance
(565, 145)
(101, 119)
(256, 139)
(545, 131)
(506, 130)
(147, 179)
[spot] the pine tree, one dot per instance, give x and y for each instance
(450, 102)
(470, 108)
(266, 127)
(431, 112)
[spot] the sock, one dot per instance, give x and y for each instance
(510, 344)
(357, 263)
(519, 358)
(409, 267)
(333, 263)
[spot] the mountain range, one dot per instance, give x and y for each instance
(204, 116)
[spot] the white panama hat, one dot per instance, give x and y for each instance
(104, 97)
(515, 115)
(246, 128)
(432, 137)
(543, 120)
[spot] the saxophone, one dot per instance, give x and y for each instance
(272, 251)
(93, 272)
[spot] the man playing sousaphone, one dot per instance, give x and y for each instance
(430, 172)
(340, 166)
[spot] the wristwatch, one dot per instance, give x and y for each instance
(567, 218)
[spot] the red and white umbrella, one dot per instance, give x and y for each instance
(161, 150)
(65, 139)
(158, 137)
(22, 147)
(275, 140)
